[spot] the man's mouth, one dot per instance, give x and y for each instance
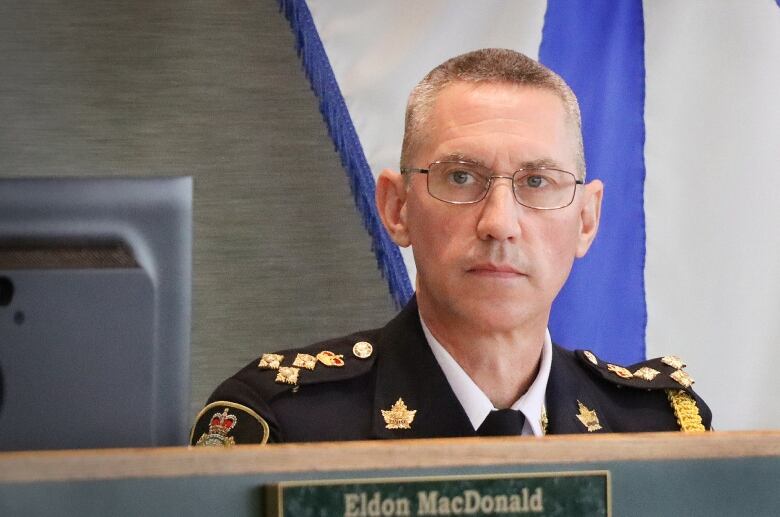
(496, 270)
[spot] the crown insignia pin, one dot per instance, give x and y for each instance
(399, 416)
(219, 427)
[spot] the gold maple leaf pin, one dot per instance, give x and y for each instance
(399, 416)
(588, 418)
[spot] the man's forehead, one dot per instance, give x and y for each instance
(521, 163)
(468, 118)
(475, 92)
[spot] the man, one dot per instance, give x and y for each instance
(491, 195)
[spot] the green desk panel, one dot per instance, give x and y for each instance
(720, 487)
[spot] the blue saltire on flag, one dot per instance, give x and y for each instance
(597, 46)
(345, 138)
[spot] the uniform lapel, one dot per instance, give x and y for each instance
(568, 384)
(407, 370)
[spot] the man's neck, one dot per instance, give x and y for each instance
(503, 364)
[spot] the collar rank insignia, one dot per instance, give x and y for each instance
(305, 361)
(646, 373)
(219, 427)
(683, 378)
(270, 361)
(330, 359)
(287, 375)
(588, 418)
(399, 417)
(673, 361)
(619, 371)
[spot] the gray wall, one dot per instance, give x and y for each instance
(211, 89)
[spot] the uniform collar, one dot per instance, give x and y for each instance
(406, 369)
(474, 401)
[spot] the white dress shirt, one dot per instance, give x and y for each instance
(474, 401)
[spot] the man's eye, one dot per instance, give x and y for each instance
(534, 181)
(460, 177)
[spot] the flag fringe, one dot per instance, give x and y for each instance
(342, 131)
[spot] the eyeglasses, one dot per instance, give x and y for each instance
(462, 183)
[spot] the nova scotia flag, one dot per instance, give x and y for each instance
(681, 122)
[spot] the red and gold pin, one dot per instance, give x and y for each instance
(330, 359)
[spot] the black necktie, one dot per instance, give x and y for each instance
(504, 422)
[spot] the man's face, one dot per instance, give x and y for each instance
(495, 264)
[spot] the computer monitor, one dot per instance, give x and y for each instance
(95, 282)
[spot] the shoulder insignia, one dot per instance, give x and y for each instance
(230, 423)
(590, 357)
(619, 371)
(328, 361)
(686, 411)
(682, 378)
(305, 361)
(646, 373)
(653, 374)
(362, 349)
(328, 358)
(673, 361)
(287, 375)
(270, 361)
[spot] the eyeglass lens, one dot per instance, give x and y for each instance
(458, 182)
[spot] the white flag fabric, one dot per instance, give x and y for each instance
(682, 124)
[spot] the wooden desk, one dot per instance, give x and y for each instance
(722, 473)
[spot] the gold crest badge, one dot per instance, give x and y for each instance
(219, 427)
(588, 418)
(399, 416)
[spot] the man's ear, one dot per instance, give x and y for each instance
(590, 214)
(391, 205)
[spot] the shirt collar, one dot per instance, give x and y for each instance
(474, 401)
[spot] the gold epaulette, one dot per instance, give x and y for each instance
(686, 411)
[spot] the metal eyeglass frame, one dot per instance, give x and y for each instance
(408, 170)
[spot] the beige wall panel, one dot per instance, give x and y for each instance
(211, 89)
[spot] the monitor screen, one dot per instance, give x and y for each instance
(95, 282)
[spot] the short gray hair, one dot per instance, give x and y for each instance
(489, 65)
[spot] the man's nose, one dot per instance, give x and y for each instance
(499, 217)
